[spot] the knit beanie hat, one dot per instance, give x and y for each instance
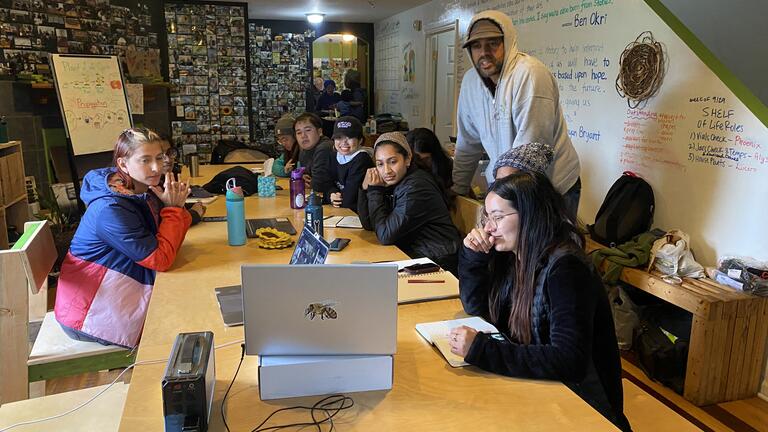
(284, 125)
(527, 157)
(393, 137)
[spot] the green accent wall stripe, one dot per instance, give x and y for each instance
(738, 88)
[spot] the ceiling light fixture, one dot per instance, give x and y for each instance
(315, 17)
(348, 37)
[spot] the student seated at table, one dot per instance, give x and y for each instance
(405, 206)
(525, 272)
(290, 155)
(131, 229)
(425, 143)
(316, 151)
(171, 154)
(329, 98)
(351, 163)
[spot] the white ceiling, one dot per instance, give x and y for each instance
(359, 11)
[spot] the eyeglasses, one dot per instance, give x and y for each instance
(493, 220)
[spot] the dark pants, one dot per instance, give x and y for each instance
(572, 197)
(80, 336)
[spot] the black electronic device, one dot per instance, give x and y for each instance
(189, 382)
(338, 244)
(214, 218)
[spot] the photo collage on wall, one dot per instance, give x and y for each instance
(279, 78)
(207, 69)
(30, 29)
(333, 68)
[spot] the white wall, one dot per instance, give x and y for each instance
(722, 206)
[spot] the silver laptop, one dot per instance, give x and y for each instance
(320, 309)
(310, 249)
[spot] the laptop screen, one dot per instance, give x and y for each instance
(310, 249)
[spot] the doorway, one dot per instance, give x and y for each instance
(344, 59)
(441, 81)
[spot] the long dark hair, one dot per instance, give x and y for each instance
(423, 140)
(293, 153)
(544, 225)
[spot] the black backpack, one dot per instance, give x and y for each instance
(626, 211)
(243, 178)
(660, 358)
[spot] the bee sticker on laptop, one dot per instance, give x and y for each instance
(323, 310)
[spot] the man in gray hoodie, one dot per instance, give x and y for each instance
(509, 99)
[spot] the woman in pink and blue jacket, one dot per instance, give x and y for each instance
(131, 229)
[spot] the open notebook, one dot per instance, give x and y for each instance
(342, 222)
(437, 332)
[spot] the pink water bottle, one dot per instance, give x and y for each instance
(297, 188)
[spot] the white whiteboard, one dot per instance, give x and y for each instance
(709, 177)
(703, 152)
(92, 99)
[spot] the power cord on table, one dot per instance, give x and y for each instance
(330, 406)
(141, 363)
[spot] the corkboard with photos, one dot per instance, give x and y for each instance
(30, 29)
(279, 78)
(208, 70)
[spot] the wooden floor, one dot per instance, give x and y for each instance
(748, 415)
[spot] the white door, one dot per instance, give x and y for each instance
(443, 54)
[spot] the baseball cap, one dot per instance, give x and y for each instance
(483, 29)
(349, 127)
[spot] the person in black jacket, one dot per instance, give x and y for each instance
(425, 143)
(404, 205)
(351, 163)
(316, 152)
(525, 272)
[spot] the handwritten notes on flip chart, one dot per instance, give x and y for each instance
(92, 99)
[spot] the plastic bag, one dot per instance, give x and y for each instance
(625, 317)
(671, 255)
(751, 273)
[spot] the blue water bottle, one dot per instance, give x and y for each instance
(313, 214)
(235, 214)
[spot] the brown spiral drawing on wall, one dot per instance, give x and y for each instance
(641, 70)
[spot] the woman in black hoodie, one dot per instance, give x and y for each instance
(525, 272)
(405, 206)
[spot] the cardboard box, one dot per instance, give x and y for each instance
(295, 376)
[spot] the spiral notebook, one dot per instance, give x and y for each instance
(426, 286)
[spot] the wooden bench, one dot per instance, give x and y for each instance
(23, 299)
(465, 214)
(728, 337)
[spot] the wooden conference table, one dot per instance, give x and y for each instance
(427, 393)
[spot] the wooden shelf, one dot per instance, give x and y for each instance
(15, 201)
(13, 194)
(9, 144)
